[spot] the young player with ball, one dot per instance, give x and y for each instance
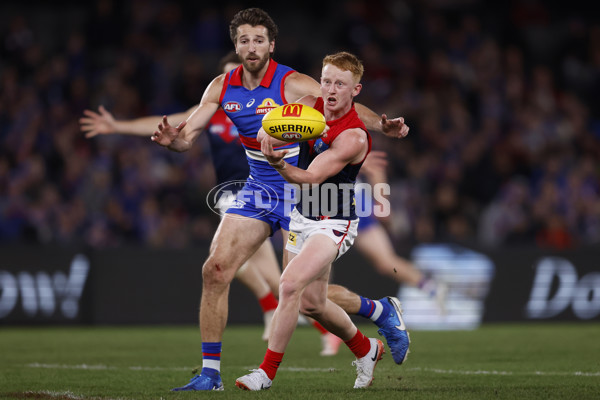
(317, 237)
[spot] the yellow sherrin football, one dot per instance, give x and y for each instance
(294, 122)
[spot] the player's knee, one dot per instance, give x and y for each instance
(216, 272)
(288, 288)
(311, 308)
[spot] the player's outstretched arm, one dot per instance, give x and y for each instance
(181, 137)
(390, 127)
(298, 85)
(103, 123)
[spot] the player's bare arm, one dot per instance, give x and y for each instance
(104, 123)
(181, 137)
(390, 127)
(350, 147)
(298, 85)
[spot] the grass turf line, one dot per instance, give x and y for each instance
(532, 361)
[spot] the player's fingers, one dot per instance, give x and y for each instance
(165, 121)
(265, 147)
(84, 123)
(181, 125)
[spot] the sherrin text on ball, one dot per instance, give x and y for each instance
(294, 122)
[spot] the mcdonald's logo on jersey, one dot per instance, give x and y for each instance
(291, 110)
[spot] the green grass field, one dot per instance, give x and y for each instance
(542, 361)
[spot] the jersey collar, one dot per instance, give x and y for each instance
(236, 75)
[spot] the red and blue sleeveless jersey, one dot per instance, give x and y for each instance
(246, 109)
(228, 156)
(344, 180)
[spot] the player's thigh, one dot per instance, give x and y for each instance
(312, 262)
(237, 239)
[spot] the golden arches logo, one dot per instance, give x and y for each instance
(291, 110)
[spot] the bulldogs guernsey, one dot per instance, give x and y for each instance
(312, 148)
(225, 148)
(246, 109)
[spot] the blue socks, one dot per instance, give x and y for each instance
(211, 359)
(375, 310)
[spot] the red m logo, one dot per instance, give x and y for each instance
(291, 110)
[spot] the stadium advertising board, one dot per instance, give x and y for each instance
(43, 285)
(143, 286)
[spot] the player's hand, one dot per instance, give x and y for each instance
(166, 134)
(261, 135)
(272, 156)
(324, 133)
(97, 123)
(393, 127)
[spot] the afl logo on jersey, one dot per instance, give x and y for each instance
(232, 106)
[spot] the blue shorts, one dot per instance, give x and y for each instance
(265, 202)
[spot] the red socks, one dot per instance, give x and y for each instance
(271, 363)
(359, 344)
(268, 303)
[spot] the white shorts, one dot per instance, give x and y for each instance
(341, 231)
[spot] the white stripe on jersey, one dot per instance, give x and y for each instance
(259, 156)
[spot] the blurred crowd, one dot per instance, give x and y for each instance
(501, 99)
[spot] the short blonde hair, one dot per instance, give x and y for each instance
(346, 62)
